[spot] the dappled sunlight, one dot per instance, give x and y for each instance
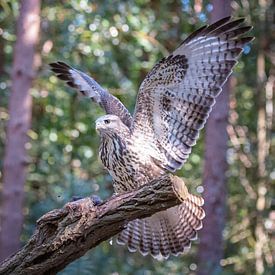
(117, 43)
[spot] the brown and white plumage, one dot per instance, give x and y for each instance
(176, 97)
(173, 104)
(167, 232)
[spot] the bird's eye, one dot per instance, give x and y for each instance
(107, 121)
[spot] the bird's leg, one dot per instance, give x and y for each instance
(96, 200)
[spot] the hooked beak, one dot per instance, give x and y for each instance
(98, 125)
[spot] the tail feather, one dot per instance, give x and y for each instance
(174, 242)
(199, 201)
(134, 237)
(155, 243)
(164, 239)
(145, 239)
(167, 232)
(186, 214)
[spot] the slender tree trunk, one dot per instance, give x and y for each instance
(214, 175)
(262, 137)
(20, 105)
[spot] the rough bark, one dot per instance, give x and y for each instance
(214, 174)
(20, 104)
(66, 234)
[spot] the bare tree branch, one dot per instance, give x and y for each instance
(63, 235)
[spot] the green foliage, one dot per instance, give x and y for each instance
(118, 42)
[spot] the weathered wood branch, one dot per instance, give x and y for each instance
(63, 235)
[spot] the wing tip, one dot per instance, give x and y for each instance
(221, 25)
(62, 71)
(59, 65)
(247, 39)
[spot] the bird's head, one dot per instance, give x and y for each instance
(109, 124)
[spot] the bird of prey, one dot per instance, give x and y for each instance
(173, 104)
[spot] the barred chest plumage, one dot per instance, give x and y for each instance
(127, 166)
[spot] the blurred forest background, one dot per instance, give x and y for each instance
(118, 42)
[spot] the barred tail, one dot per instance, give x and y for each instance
(167, 232)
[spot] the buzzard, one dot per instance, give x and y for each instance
(173, 104)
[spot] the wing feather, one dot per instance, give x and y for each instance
(90, 88)
(176, 97)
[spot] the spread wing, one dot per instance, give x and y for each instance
(176, 97)
(90, 88)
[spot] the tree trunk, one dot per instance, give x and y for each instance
(262, 138)
(214, 175)
(20, 105)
